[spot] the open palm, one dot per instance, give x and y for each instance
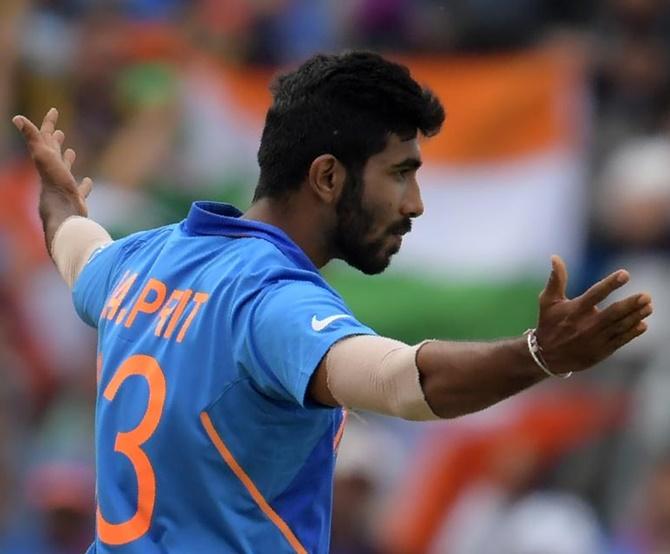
(575, 334)
(54, 166)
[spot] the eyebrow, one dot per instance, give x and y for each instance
(408, 163)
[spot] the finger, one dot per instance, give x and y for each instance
(85, 187)
(49, 122)
(69, 157)
(55, 140)
(28, 129)
(630, 321)
(623, 339)
(602, 289)
(59, 137)
(623, 308)
(558, 281)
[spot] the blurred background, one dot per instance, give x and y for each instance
(557, 140)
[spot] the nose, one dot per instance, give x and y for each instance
(412, 205)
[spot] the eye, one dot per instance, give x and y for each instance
(402, 174)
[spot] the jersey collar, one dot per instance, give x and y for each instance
(217, 218)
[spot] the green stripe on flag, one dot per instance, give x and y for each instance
(411, 308)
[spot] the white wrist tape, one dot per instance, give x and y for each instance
(73, 243)
(377, 374)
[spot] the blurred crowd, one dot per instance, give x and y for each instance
(576, 467)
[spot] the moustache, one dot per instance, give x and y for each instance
(401, 228)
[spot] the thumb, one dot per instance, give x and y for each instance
(27, 128)
(558, 280)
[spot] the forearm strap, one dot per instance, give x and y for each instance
(377, 374)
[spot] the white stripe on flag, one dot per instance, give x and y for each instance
(500, 221)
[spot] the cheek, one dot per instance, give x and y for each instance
(381, 201)
(377, 217)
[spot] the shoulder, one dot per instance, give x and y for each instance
(136, 240)
(109, 259)
(120, 250)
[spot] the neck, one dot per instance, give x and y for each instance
(303, 224)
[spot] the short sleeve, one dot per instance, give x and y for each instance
(91, 288)
(289, 328)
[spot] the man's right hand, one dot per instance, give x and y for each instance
(575, 334)
(45, 147)
(60, 194)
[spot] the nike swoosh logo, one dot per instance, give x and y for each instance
(321, 324)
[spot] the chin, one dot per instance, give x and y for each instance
(372, 266)
(376, 270)
(372, 258)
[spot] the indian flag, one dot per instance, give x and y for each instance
(503, 188)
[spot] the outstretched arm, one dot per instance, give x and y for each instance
(448, 379)
(573, 334)
(60, 195)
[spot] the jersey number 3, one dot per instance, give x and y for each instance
(130, 443)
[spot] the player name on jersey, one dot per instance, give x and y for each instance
(176, 309)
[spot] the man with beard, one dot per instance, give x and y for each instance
(224, 357)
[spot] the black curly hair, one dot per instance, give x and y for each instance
(345, 105)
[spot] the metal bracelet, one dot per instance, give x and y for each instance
(536, 352)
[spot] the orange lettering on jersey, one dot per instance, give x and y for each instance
(119, 294)
(174, 306)
(129, 443)
(154, 288)
(122, 314)
(199, 299)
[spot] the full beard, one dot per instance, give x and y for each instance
(355, 224)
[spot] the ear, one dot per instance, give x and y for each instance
(326, 178)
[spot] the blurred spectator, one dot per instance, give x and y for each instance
(542, 522)
(368, 461)
(648, 530)
(60, 513)
(632, 70)
(14, 425)
(373, 19)
(548, 523)
(634, 208)
(632, 223)
(12, 13)
(465, 477)
(482, 507)
(491, 26)
(293, 30)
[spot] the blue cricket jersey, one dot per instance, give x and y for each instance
(208, 333)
